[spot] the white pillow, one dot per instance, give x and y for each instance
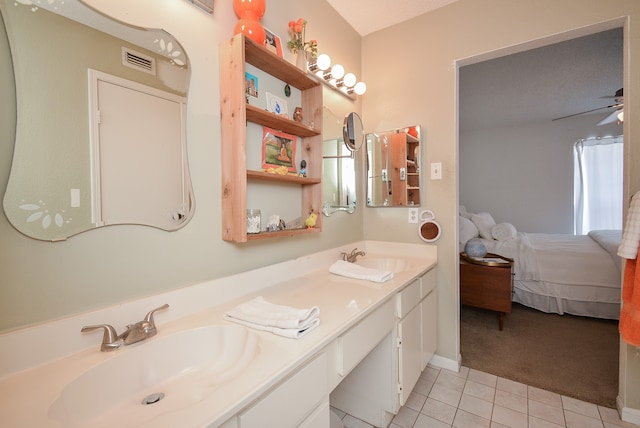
(466, 230)
(464, 213)
(503, 231)
(484, 222)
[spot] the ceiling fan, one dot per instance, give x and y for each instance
(615, 115)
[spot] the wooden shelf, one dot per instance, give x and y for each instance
(280, 233)
(234, 54)
(267, 176)
(279, 123)
(277, 67)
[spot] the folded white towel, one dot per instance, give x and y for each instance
(631, 234)
(352, 270)
(259, 311)
(503, 231)
(291, 333)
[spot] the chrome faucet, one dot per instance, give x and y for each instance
(353, 256)
(134, 333)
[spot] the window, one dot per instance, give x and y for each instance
(597, 195)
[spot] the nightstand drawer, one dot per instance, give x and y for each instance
(487, 287)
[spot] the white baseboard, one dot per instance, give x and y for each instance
(446, 363)
(628, 414)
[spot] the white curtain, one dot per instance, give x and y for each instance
(597, 200)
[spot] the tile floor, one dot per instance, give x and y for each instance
(473, 399)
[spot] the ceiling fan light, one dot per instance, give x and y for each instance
(621, 116)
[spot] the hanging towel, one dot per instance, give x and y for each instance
(631, 234)
(352, 270)
(282, 320)
(630, 313)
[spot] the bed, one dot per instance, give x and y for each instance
(555, 273)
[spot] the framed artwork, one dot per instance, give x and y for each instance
(251, 84)
(273, 43)
(278, 149)
(277, 105)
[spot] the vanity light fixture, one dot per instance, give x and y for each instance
(335, 77)
(320, 64)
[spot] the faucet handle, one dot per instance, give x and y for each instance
(110, 339)
(149, 318)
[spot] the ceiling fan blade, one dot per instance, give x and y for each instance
(584, 112)
(613, 117)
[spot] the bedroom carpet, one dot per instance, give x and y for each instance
(569, 355)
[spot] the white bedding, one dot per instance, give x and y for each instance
(565, 273)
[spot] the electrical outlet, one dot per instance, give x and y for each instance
(436, 171)
(413, 215)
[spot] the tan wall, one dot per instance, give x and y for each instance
(43, 281)
(427, 52)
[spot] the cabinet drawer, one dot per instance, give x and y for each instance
(408, 298)
(356, 343)
(293, 400)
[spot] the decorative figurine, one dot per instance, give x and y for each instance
(310, 222)
(303, 168)
(297, 114)
(287, 90)
(274, 223)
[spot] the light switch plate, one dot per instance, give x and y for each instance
(436, 171)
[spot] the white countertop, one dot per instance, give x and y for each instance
(28, 394)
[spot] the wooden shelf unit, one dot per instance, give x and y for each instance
(234, 115)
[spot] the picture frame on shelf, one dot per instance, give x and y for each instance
(272, 42)
(251, 84)
(278, 149)
(277, 105)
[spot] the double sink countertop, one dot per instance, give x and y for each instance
(34, 375)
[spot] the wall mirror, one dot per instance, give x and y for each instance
(393, 168)
(100, 122)
(338, 163)
(353, 132)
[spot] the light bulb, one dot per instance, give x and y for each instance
(337, 71)
(323, 61)
(349, 80)
(360, 88)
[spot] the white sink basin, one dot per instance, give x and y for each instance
(156, 376)
(395, 265)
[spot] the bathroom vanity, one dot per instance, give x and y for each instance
(384, 331)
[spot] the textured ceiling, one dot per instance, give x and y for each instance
(544, 83)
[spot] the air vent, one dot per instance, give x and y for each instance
(138, 61)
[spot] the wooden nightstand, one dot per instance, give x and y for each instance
(487, 285)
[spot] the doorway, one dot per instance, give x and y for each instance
(513, 158)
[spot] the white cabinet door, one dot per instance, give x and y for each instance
(409, 353)
(429, 307)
